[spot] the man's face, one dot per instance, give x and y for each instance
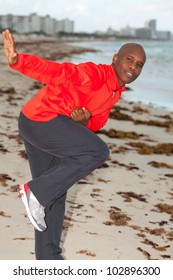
(128, 64)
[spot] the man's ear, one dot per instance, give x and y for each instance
(115, 58)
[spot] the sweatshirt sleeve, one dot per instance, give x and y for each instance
(42, 70)
(96, 122)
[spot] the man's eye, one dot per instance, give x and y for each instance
(140, 65)
(129, 59)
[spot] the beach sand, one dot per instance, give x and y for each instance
(124, 209)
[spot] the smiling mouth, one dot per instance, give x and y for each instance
(129, 74)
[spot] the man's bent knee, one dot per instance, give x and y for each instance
(104, 152)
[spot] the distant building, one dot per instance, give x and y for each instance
(128, 31)
(148, 32)
(67, 25)
(35, 23)
(110, 32)
(164, 35)
(143, 33)
(152, 25)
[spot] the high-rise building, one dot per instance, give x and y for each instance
(35, 23)
(152, 25)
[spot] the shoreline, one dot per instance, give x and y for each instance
(51, 49)
(123, 210)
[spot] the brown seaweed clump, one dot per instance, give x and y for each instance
(119, 218)
(117, 115)
(129, 195)
(163, 207)
(17, 137)
(138, 109)
(112, 133)
(2, 149)
(144, 149)
(160, 164)
(87, 253)
(3, 179)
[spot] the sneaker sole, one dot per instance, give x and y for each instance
(24, 199)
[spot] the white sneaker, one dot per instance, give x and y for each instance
(34, 209)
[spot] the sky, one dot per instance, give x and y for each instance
(97, 15)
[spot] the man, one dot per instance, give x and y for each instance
(57, 126)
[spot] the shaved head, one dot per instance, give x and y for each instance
(132, 47)
(128, 62)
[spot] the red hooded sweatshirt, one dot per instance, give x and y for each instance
(68, 86)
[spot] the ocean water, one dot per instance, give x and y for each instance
(155, 84)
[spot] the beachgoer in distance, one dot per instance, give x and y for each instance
(57, 126)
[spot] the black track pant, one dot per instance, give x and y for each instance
(60, 153)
